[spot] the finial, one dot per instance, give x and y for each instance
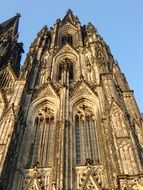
(45, 26)
(36, 165)
(48, 79)
(81, 77)
(69, 11)
(18, 15)
(89, 162)
(58, 20)
(77, 19)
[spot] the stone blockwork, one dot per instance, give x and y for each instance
(68, 120)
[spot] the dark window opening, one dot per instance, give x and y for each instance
(67, 39)
(60, 71)
(78, 159)
(70, 72)
(68, 66)
(86, 141)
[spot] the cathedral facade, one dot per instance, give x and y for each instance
(68, 119)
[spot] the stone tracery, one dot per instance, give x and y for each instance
(69, 66)
(85, 130)
(65, 71)
(43, 145)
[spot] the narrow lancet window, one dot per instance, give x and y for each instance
(65, 71)
(67, 39)
(60, 72)
(78, 159)
(85, 134)
(70, 72)
(43, 145)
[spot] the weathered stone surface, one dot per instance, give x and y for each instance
(68, 120)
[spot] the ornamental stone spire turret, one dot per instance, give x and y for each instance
(10, 49)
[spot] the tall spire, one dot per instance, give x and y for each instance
(10, 49)
(10, 24)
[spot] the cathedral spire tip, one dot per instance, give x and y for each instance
(18, 15)
(69, 11)
(70, 16)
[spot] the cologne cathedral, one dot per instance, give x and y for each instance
(68, 119)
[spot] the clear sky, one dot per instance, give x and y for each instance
(120, 22)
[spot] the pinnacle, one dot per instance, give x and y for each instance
(70, 16)
(12, 22)
(69, 11)
(18, 15)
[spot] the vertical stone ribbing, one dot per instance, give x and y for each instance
(69, 119)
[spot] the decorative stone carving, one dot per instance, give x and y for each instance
(83, 127)
(37, 179)
(45, 91)
(84, 110)
(88, 65)
(131, 182)
(67, 49)
(91, 177)
(90, 28)
(82, 90)
(45, 113)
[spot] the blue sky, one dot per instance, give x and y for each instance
(118, 21)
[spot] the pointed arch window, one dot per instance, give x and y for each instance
(77, 131)
(60, 71)
(67, 39)
(70, 71)
(67, 66)
(43, 145)
(85, 136)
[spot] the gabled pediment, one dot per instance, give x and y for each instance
(87, 51)
(46, 90)
(36, 178)
(69, 17)
(88, 178)
(10, 71)
(90, 184)
(67, 26)
(82, 89)
(114, 108)
(33, 184)
(66, 48)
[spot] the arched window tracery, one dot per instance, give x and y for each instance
(43, 144)
(67, 66)
(85, 135)
(60, 71)
(67, 38)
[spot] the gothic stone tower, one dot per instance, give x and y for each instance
(68, 120)
(10, 86)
